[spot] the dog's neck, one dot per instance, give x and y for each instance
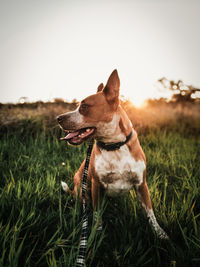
(117, 130)
(114, 146)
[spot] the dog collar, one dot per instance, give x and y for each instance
(113, 146)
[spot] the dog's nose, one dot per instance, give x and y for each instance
(59, 118)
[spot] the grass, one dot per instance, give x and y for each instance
(40, 225)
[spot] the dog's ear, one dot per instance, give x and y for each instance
(100, 87)
(111, 90)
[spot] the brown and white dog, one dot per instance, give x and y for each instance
(117, 162)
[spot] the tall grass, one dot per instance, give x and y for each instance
(40, 225)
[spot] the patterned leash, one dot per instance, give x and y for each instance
(84, 235)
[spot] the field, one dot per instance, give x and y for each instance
(40, 225)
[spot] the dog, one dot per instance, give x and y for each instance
(117, 162)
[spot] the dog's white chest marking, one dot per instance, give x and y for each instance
(118, 171)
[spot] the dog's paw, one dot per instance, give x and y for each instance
(156, 227)
(163, 235)
(65, 187)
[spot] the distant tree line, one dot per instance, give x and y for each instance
(181, 91)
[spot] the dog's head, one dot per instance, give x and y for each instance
(95, 115)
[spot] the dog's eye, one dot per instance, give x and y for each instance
(83, 107)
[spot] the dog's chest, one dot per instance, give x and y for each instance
(118, 171)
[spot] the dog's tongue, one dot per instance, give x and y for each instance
(70, 135)
(78, 136)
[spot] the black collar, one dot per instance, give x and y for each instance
(113, 146)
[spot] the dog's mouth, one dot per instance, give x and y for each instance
(78, 136)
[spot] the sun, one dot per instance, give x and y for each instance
(137, 99)
(138, 102)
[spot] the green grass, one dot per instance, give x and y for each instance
(40, 225)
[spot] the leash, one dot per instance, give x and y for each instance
(84, 235)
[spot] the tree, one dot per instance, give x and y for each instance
(181, 91)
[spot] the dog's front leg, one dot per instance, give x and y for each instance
(144, 198)
(95, 192)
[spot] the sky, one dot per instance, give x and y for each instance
(65, 49)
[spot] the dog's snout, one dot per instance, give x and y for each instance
(59, 118)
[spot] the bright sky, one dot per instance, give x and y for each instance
(63, 48)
